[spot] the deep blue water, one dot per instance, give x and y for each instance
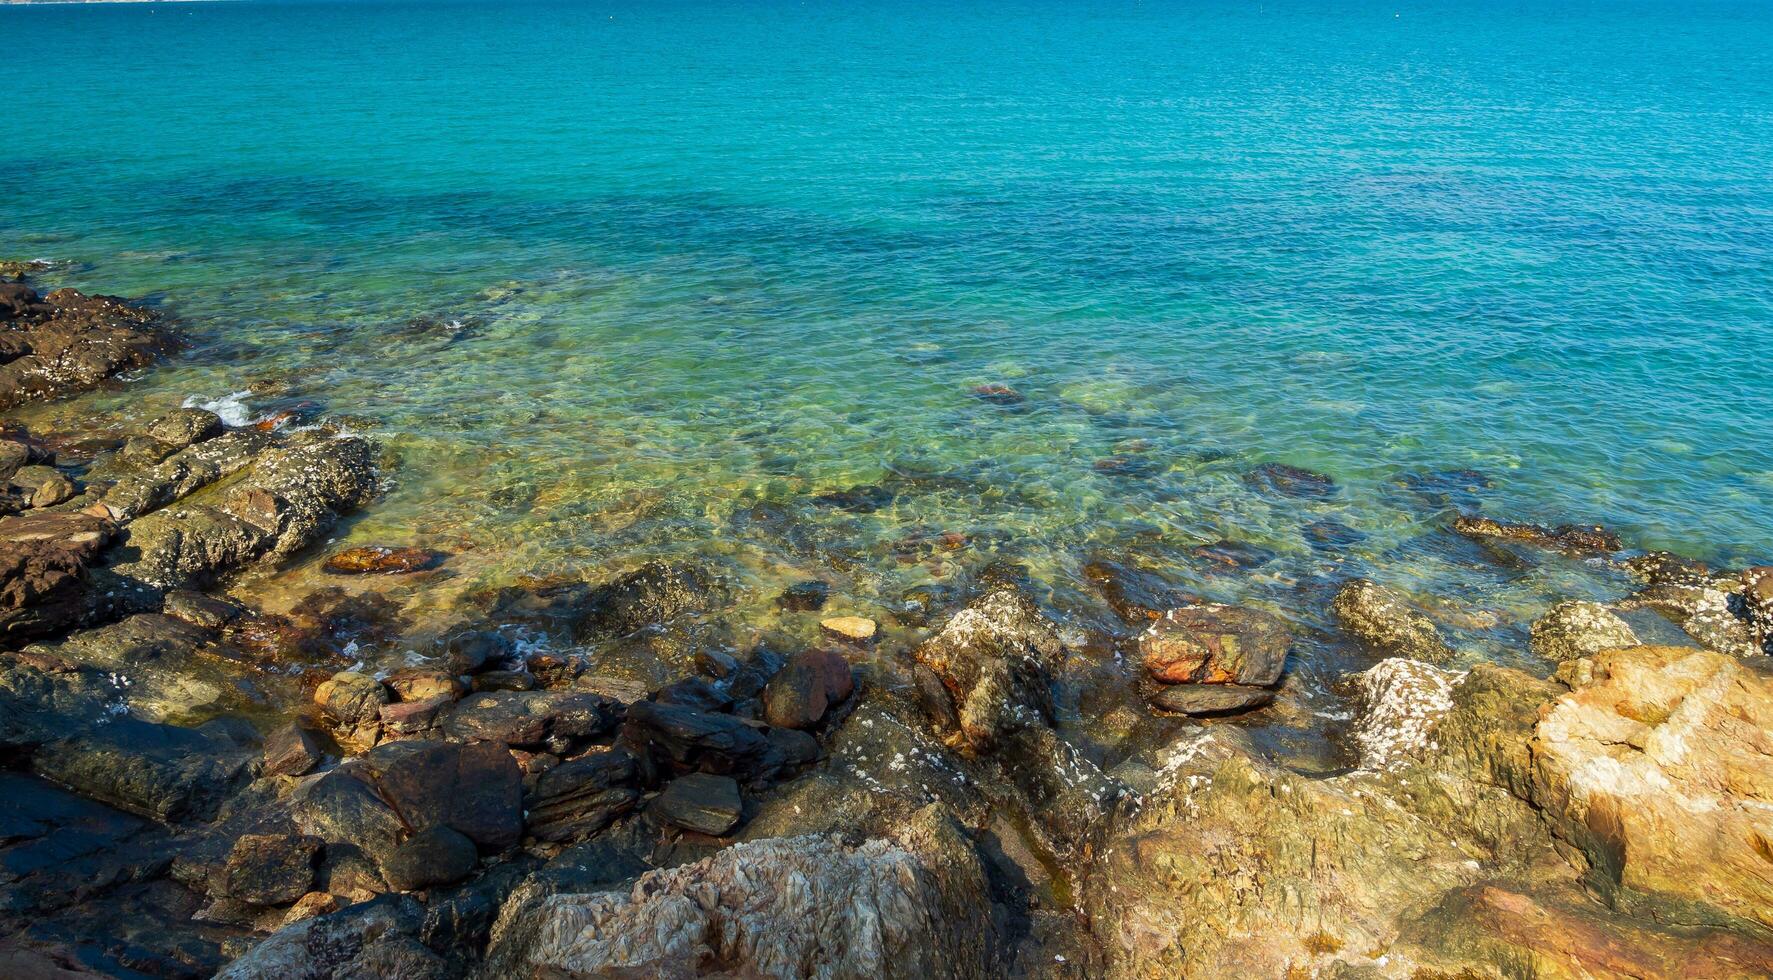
(711, 254)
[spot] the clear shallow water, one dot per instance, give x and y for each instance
(717, 259)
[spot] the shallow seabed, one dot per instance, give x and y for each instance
(622, 281)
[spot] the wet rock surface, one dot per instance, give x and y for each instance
(1384, 620)
(66, 341)
(1094, 771)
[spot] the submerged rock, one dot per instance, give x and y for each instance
(1291, 481)
(1136, 596)
(1579, 629)
(1384, 620)
(649, 596)
(377, 560)
(855, 628)
(1206, 700)
(1577, 540)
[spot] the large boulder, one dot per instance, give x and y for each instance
(1658, 768)
(995, 659)
(1384, 620)
(917, 905)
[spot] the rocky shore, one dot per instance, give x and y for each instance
(196, 787)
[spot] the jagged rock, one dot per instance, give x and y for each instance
(419, 684)
(270, 869)
(291, 751)
(1577, 540)
(801, 692)
(1660, 770)
(1667, 568)
(1579, 629)
(66, 342)
(1757, 600)
(1210, 643)
(281, 504)
(372, 939)
(43, 563)
(183, 473)
(700, 802)
(185, 426)
(670, 738)
(206, 611)
(1714, 612)
(431, 857)
(651, 595)
(580, 797)
(1384, 620)
(43, 486)
(916, 906)
(353, 701)
(162, 772)
(995, 658)
(1400, 704)
(152, 662)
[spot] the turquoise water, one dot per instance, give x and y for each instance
(712, 256)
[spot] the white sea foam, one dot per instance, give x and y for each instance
(230, 408)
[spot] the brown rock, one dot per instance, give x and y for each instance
(1660, 769)
(270, 869)
(1578, 540)
(377, 560)
(1210, 643)
(1388, 623)
(291, 751)
(800, 693)
(700, 802)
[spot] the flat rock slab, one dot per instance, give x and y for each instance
(700, 802)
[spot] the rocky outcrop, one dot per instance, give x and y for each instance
(66, 341)
(1579, 629)
(291, 494)
(1386, 622)
(914, 906)
(1712, 609)
(1659, 769)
